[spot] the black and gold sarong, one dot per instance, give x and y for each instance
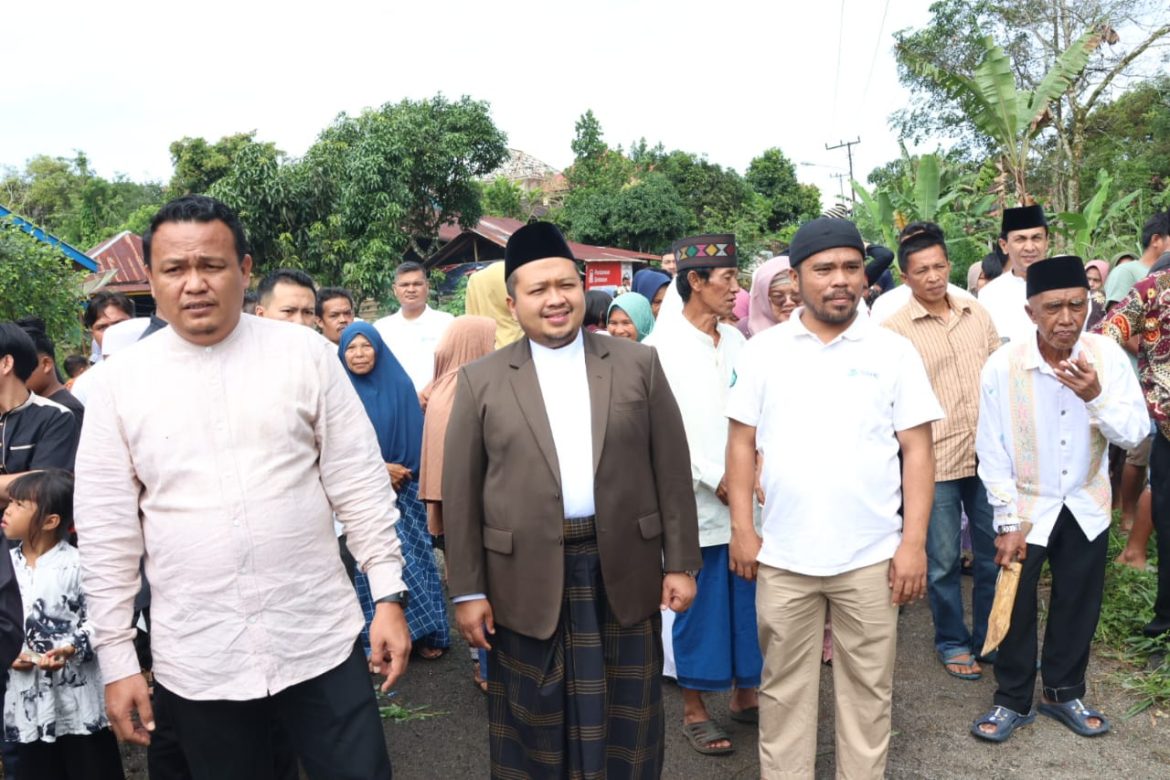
(587, 702)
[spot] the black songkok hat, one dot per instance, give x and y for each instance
(823, 233)
(710, 250)
(1023, 218)
(535, 241)
(1056, 273)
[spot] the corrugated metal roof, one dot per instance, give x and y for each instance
(123, 255)
(40, 235)
(499, 229)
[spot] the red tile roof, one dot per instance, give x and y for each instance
(123, 255)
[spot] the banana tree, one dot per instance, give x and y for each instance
(1084, 230)
(1009, 116)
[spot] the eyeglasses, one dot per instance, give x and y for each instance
(778, 297)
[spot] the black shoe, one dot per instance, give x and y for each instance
(1156, 627)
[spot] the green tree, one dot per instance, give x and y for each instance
(371, 186)
(1011, 118)
(65, 197)
(1033, 34)
(1129, 137)
(199, 164)
(773, 175)
(37, 279)
(503, 198)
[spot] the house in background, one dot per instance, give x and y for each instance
(122, 257)
(465, 251)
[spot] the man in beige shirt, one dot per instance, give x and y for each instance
(954, 336)
(220, 449)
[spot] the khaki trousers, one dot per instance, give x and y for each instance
(791, 612)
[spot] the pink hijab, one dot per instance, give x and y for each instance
(741, 311)
(1102, 267)
(760, 316)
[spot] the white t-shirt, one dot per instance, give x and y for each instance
(888, 304)
(826, 419)
(413, 342)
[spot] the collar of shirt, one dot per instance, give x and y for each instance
(856, 331)
(566, 354)
(1035, 361)
(918, 311)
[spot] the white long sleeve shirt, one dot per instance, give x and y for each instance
(1004, 298)
(413, 342)
(224, 465)
(699, 372)
(1041, 447)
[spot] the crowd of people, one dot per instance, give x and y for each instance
(221, 524)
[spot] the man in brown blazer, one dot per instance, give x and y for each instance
(570, 522)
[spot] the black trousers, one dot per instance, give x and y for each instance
(1078, 582)
(1160, 490)
(332, 721)
(72, 757)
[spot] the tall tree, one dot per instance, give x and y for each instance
(1032, 33)
(1009, 117)
(372, 186)
(773, 175)
(199, 164)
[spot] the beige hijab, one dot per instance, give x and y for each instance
(487, 297)
(467, 339)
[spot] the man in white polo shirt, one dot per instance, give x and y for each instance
(413, 332)
(830, 400)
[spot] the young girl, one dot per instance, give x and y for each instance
(54, 708)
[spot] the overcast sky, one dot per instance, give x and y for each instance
(726, 78)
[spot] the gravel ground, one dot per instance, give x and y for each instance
(932, 712)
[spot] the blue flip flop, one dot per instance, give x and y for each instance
(1005, 721)
(1074, 714)
(952, 661)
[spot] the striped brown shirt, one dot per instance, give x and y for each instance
(954, 352)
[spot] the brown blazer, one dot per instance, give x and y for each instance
(502, 508)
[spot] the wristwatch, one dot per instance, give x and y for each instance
(401, 597)
(1008, 528)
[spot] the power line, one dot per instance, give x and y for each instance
(877, 47)
(840, 46)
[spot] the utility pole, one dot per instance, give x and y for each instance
(840, 177)
(849, 151)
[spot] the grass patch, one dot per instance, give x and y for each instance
(1128, 605)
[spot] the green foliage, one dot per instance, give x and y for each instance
(504, 198)
(199, 164)
(66, 198)
(1130, 138)
(1086, 232)
(454, 303)
(1127, 605)
(930, 188)
(37, 279)
(372, 186)
(773, 176)
(1008, 116)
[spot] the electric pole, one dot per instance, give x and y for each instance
(849, 151)
(840, 177)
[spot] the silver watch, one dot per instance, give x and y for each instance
(1009, 528)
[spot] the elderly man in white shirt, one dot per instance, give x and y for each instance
(715, 642)
(830, 400)
(220, 448)
(413, 332)
(1024, 239)
(1049, 408)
